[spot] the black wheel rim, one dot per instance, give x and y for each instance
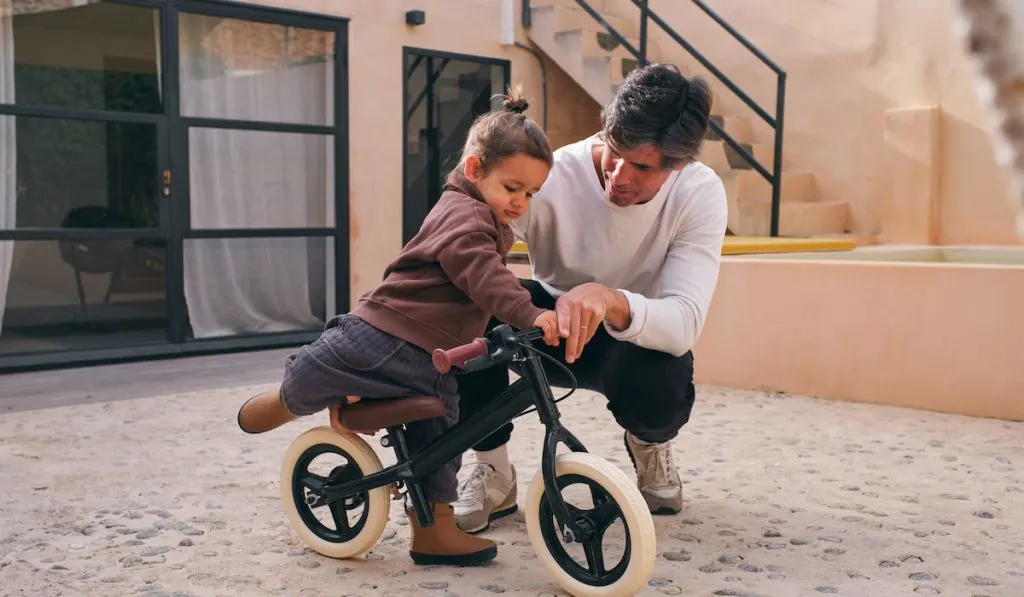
(605, 512)
(303, 479)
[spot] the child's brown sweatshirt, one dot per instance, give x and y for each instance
(449, 280)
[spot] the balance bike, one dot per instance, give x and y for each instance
(355, 496)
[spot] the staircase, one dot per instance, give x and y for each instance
(594, 57)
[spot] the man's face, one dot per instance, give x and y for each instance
(634, 176)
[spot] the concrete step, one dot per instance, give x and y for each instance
(748, 186)
(598, 5)
(737, 127)
(723, 159)
(566, 49)
(600, 44)
(795, 219)
(565, 18)
(603, 60)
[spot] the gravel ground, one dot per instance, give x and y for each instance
(787, 495)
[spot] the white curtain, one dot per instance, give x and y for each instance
(8, 153)
(250, 179)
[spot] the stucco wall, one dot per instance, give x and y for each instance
(850, 62)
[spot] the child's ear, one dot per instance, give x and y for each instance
(474, 169)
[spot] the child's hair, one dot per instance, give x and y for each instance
(501, 134)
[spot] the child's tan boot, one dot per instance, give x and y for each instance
(443, 543)
(264, 412)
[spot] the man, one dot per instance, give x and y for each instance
(625, 241)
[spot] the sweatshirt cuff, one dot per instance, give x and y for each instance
(523, 317)
(638, 317)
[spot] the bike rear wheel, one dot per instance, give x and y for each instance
(344, 535)
(614, 498)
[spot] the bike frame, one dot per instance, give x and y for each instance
(532, 388)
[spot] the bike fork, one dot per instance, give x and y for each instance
(553, 434)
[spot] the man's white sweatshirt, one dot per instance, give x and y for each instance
(664, 255)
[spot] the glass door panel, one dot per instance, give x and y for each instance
(83, 148)
(95, 56)
(248, 70)
(259, 223)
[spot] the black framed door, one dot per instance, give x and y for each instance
(259, 161)
(443, 94)
(173, 173)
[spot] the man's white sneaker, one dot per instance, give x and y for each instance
(484, 496)
(656, 475)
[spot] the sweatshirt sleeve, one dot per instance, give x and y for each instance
(673, 321)
(472, 262)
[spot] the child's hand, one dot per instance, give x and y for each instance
(548, 322)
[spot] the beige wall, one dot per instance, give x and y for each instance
(942, 336)
(849, 62)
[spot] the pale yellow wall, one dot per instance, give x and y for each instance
(849, 62)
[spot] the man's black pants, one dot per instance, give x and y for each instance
(650, 393)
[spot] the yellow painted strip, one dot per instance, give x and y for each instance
(740, 245)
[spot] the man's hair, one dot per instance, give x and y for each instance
(657, 105)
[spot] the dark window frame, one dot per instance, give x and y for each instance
(172, 140)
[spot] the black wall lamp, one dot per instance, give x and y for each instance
(415, 17)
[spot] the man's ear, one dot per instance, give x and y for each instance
(474, 169)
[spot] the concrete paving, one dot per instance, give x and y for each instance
(163, 495)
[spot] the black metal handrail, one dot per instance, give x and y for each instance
(774, 176)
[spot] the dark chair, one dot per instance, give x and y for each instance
(95, 256)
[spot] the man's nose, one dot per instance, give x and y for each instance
(620, 174)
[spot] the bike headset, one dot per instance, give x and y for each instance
(572, 378)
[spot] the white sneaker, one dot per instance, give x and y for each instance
(656, 475)
(484, 496)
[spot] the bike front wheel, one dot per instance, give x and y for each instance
(622, 528)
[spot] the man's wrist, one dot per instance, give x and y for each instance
(617, 313)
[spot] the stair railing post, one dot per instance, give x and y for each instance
(780, 112)
(643, 32)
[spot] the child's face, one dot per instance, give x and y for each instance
(509, 186)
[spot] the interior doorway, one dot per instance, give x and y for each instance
(444, 94)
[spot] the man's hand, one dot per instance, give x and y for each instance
(581, 310)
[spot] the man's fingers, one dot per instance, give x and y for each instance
(563, 312)
(595, 322)
(571, 350)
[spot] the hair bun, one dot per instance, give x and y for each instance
(515, 101)
(517, 105)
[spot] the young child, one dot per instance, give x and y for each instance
(440, 291)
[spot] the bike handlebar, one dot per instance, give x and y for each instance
(499, 340)
(444, 360)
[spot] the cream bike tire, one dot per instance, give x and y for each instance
(355, 538)
(626, 504)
